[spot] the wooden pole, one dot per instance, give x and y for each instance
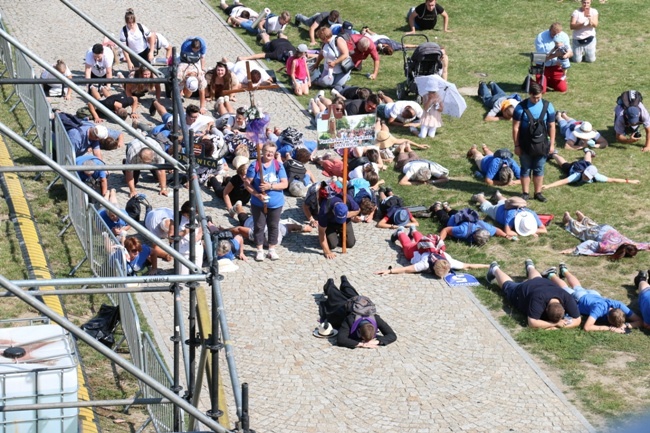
(344, 236)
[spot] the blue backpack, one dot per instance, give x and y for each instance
(464, 215)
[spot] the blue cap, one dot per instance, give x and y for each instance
(632, 115)
(340, 213)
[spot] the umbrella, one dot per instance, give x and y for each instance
(453, 102)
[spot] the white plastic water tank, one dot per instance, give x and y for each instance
(38, 364)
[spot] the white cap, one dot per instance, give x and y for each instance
(192, 84)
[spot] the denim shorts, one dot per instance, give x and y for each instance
(534, 163)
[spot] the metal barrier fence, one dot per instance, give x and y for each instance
(162, 415)
(108, 260)
(90, 231)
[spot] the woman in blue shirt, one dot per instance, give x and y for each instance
(266, 183)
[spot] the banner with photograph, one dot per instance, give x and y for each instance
(336, 131)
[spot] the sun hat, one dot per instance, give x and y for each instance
(100, 132)
(585, 131)
(385, 140)
(238, 161)
(590, 172)
(325, 330)
(192, 84)
(401, 217)
(525, 223)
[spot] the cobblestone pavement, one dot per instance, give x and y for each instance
(452, 369)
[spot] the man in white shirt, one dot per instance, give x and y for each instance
(99, 64)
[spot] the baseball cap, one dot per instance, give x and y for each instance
(100, 132)
(302, 48)
(340, 213)
(347, 25)
(192, 84)
(632, 114)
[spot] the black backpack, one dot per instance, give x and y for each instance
(534, 139)
(190, 57)
(629, 98)
(503, 154)
(295, 170)
(133, 206)
(580, 166)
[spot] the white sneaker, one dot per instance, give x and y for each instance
(273, 255)
(259, 257)
(220, 100)
(321, 94)
(337, 94)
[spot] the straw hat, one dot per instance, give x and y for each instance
(385, 140)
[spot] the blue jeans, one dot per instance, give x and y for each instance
(490, 95)
(323, 80)
(534, 163)
(578, 292)
(566, 125)
(248, 26)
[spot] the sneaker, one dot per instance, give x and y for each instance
(527, 264)
(273, 255)
(395, 235)
(446, 207)
(335, 93)
(549, 272)
(476, 197)
(296, 22)
(496, 197)
(414, 130)
(641, 276)
(412, 229)
(525, 196)
(436, 207)
(152, 109)
(562, 270)
(259, 257)
(320, 94)
(587, 150)
(232, 212)
(540, 197)
(490, 277)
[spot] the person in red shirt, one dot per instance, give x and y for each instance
(361, 47)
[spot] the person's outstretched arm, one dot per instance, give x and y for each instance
(388, 335)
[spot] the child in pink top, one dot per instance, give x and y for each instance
(298, 72)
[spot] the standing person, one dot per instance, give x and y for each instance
(533, 133)
(556, 45)
(334, 51)
(299, 72)
(137, 37)
(545, 304)
(266, 183)
(431, 119)
(99, 64)
(583, 23)
(425, 17)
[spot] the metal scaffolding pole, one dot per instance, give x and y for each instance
(91, 193)
(86, 97)
(178, 402)
(92, 22)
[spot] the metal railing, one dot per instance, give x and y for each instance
(84, 218)
(162, 415)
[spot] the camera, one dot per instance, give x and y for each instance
(561, 51)
(637, 135)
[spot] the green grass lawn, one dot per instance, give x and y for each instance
(490, 41)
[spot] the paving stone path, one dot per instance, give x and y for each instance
(452, 369)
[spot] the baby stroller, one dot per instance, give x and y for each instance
(535, 70)
(426, 60)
